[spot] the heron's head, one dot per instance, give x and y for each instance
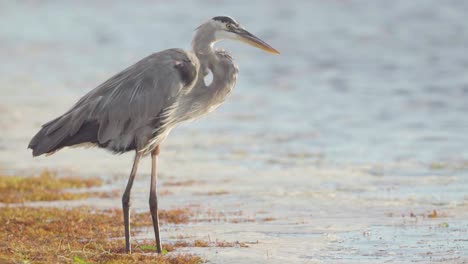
(225, 27)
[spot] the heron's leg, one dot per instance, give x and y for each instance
(126, 202)
(153, 200)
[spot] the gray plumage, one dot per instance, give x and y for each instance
(137, 108)
(141, 104)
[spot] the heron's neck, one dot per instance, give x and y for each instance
(224, 72)
(223, 69)
(203, 97)
(204, 50)
(203, 42)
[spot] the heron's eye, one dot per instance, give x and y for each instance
(229, 26)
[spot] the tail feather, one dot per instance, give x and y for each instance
(49, 141)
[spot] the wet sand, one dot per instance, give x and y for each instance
(349, 140)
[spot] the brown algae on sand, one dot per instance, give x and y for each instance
(173, 216)
(79, 235)
(45, 187)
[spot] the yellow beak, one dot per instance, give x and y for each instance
(250, 39)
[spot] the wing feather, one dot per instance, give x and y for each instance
(126, 104)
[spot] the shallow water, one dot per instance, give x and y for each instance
(360, 122)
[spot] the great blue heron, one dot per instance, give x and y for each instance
(137, 108)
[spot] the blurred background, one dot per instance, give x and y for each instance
(361, 121)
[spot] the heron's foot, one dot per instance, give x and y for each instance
(128, 249)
